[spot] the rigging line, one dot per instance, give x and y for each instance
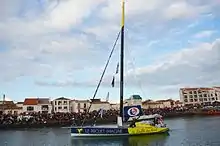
(113, 48)
(133, 66)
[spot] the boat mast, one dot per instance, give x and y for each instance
(122, 60)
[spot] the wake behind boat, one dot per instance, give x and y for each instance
(127, 113)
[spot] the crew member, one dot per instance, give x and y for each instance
(133, 123)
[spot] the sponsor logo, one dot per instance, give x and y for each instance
(133, 111)
(79, 131)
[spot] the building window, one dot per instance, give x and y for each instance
(59, 107)
(59, 102)
(30, 108)
(65, 107)
(84, 105)
(64, 102)
(44, 107)
(55, 108)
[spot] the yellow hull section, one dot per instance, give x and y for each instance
(142, 128)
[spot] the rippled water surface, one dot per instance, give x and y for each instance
(184, 131)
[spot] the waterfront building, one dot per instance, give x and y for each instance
(133, 100)
(41, 105)
(115, 106)
(20, 104)
(169, 103)
(61, 105)
(201, 96)
(150, 104)
(9, 107)
(97, 104)
(79, 106)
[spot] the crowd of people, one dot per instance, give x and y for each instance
(67, 119)
(35, 120)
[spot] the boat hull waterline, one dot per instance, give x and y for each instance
(108, 132)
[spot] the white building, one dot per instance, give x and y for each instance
(133, 100)
(150, 104)
(79, 106)
(168, 103)
(115, 106)
(20, 104)
(45, 105)
(97, 104)
(203, 96)
(9, 107)
(61, 105)
(41, 105)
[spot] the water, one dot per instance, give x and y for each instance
(184, 131)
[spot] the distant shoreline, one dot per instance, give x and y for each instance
(101, 121)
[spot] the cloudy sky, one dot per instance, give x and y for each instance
(52, 48)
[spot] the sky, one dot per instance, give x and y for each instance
(53, 48)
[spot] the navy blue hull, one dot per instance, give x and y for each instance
(99, 130)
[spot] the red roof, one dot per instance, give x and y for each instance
(31, 101)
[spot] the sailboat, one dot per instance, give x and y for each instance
(140, 124)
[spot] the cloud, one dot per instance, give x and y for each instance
(69, 13)
(197, 66)
(182, 9)
(54, 39)
(205, 33)
(42, 45)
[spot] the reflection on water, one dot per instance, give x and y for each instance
(121, 141)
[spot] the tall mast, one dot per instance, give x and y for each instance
(122, 60)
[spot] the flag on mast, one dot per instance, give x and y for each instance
(113, 81)
(107, 97)
(117, 68)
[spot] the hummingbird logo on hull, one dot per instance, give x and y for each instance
(133, 111)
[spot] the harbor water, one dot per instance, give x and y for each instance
(194, 131)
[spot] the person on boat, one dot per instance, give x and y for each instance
(133, 123)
